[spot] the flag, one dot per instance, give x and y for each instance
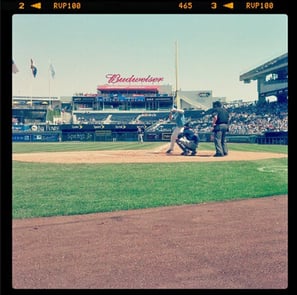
(14, 68)
(52, 70)
(33, 68)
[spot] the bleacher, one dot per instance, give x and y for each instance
(89, 118)
(122, 117)
(150, 118)
(194, 114)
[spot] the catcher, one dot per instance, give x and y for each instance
(188, 141)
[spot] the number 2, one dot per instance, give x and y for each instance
(21, 5)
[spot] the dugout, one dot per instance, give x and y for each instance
(280, 137)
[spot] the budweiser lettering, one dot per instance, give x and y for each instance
(116, 78)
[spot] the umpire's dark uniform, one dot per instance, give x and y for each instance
(220, 127)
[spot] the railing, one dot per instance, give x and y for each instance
(94, 132)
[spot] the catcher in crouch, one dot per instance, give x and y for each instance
(188, 141)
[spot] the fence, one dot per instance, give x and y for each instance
(125, 132)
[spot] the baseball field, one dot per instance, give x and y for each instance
(126, 215)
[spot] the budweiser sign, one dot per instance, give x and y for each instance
(117, 78)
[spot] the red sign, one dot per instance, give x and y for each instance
(117, 78)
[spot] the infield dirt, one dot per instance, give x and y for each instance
(138, 156)
(230, 245)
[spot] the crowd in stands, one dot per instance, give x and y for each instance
(245, 119)
(252, 119)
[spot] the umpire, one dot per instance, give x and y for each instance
(220, 123)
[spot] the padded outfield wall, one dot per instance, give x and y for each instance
(123, 132)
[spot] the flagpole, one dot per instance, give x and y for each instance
(51, 74)
(34, 73)
(32, 93)
(49, 89)
(177, 101)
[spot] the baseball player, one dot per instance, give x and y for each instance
(177, 116)
(188, 141)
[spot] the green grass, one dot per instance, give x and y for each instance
(80, 146)
(98, 146)
(66, 189)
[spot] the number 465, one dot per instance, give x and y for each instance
(185, 5)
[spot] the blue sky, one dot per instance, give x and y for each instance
(213, 50)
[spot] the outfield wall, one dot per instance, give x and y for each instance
(124, 132)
